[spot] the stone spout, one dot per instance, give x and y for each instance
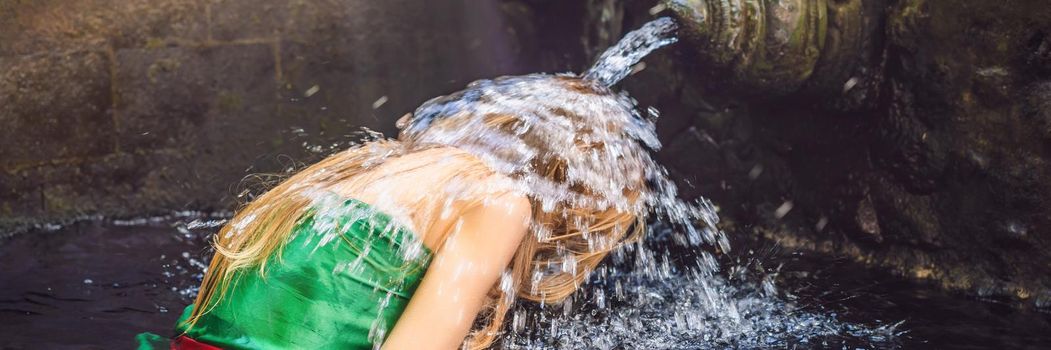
(780, 47)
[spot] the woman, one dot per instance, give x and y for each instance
(515, 187)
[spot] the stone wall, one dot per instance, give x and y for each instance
(133, 107)
(931, 161)
(937, 170)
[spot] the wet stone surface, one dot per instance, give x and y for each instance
(115, 280)
(930, 160)
(47, 121)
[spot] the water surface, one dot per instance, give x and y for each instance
(95, 284)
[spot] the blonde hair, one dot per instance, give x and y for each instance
(583, 233)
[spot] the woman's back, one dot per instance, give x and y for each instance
(346, 293)
(347, 269)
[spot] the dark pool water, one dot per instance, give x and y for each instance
(95, 284)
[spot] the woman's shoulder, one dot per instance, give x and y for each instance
(505, 206)
(501, 221)
(500, 204)
(474, 176)
(446, 184)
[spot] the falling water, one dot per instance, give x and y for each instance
(617, 61)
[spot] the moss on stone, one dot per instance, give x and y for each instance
(229, 101)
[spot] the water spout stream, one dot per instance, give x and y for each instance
(617, 62)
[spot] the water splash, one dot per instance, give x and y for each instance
(616, 63)
(606, 146)
(652, 303)
(642, 300)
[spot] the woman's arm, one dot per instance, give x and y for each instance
(475, 254)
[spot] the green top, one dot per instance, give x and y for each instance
(326, 291)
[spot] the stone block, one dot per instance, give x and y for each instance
(118, 185)
(50, 25)
(162, 96)
(304, 20)
(109, 186)
(176, 97)
(318, 20)
(19, 198)
(330, 90)
(339, 61)
(691, 155)
(241, 98)
(54, 106)
(240, 20)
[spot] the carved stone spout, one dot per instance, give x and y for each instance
(781, 46)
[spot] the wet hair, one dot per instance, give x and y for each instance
(577, 150)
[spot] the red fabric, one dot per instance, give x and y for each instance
(186, 343)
